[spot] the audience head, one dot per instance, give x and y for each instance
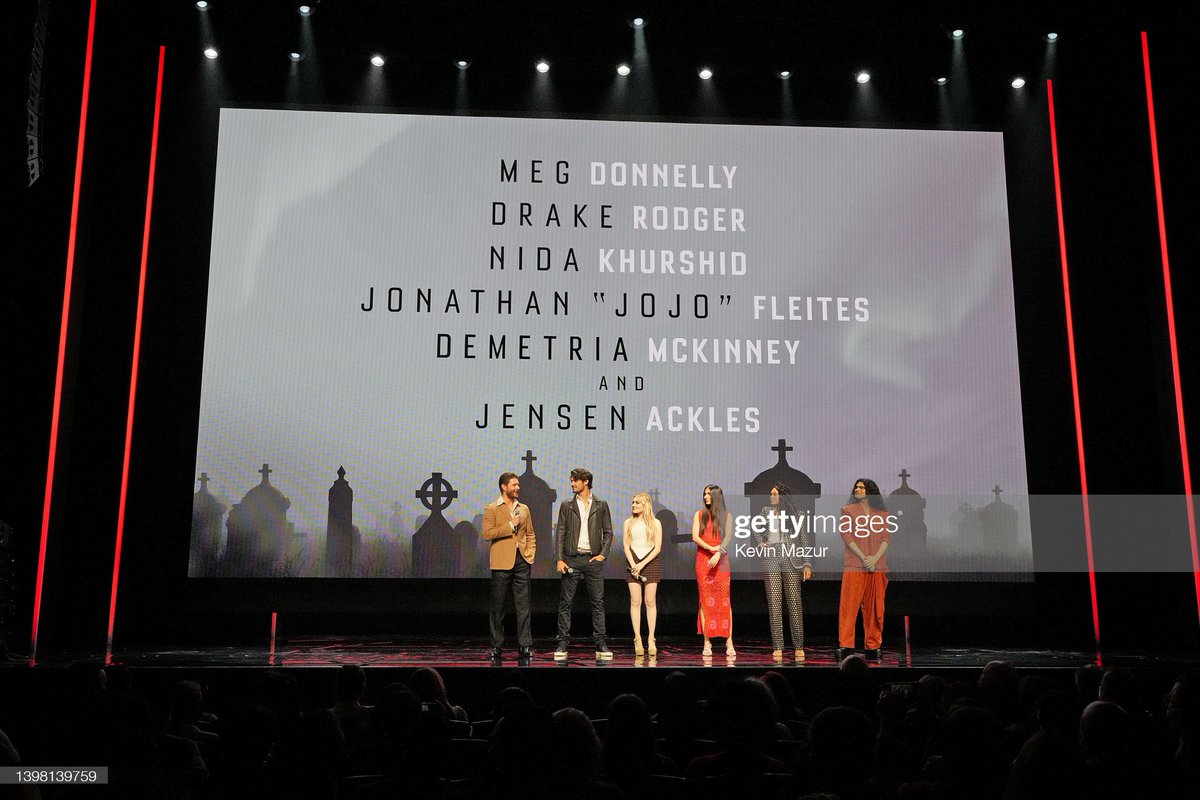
(1103, 732)
(428, 685)
(1087, 682)
(1120, 686)
(781, 690)
(742, 715)
(351, 683)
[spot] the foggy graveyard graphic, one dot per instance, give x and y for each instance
(254, 537)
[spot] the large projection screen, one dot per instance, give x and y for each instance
(402, 295)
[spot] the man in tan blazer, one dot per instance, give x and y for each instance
(508, 525)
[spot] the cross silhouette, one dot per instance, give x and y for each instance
(529, 458)
(783, 449)
(266, 473)
(904, 474)
(204, 481)
(654, 495)
(432, 494)
(996, 491)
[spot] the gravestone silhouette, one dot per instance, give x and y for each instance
(208, 518)
(540, 497)
(259, 532)
(999, 523)
(910, 541)
(342, 540)
(435, 547)
(474, 564)
(804, 491)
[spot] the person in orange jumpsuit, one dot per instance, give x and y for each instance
(866, 530)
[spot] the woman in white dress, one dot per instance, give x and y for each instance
(642, 539)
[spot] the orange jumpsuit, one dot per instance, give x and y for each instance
(863, 589)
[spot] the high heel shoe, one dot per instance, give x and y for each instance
(799, 656)
(651, 650)
(729, 651)
(637, 646)
(707, 651)
(777, 656)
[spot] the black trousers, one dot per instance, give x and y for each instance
(518, 578)
(592, 575)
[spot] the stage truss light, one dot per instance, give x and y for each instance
(863, 77)
(637, 22)
(957, 34)
(543, 66)
(1052, 37)
(623, 70)
(462, 63)
(1017, 83)
(210, 52)
(784, 74)
(304, 11)
(294, 56)
(202, 4)
(942, 81)
(705, 73)
(377, 60)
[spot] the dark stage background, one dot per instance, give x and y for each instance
(1126, 389)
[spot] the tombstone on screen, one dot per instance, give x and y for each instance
(208, 517)
(908, 506)
(804, 491)
(540, 497)
(999, 523)
(342, 540)
(435, 545)
(259, 532)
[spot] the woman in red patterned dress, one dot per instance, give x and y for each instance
(712, 530)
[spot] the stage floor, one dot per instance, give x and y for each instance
(673, 653)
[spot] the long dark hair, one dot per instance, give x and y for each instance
(785, 498)
(715, 510)
(874, 498)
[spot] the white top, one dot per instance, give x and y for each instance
(585, 544)
(639, 538)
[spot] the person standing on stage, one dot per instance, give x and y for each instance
(642, 539)
(583, 537)
(712, 530)
(864, 527)
(784, 574)
(508, 525)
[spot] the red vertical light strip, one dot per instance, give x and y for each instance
(1166, 265)
(62, 335)
(274, 620)
(137, 349)
(1062, 252)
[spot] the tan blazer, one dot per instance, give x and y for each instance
(498, 529)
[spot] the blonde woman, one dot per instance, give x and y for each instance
(643, 542)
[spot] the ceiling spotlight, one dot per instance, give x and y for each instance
(294, 56)
(543, 66)
(957, 33)
(462, 63)
(1017, 83)
(863, 77)
(201, 4)
(941, 81)
(377, 60)
(785, 74)
(210, 52)
(705, 74)
(1051, 37)
(637, 22)
(623, 69)
(304, 11)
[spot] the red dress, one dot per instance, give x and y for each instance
(714, 588)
